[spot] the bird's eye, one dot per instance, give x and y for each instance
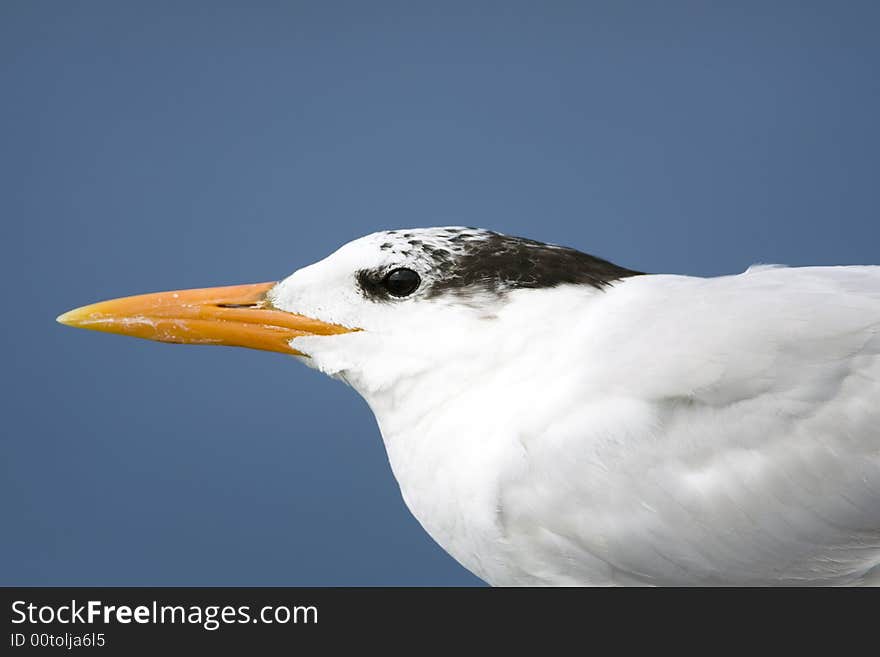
(401, 282)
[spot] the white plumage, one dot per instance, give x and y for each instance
(553, 418)
(661, 430)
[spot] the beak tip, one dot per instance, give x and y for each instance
(71, 317)
(64, 318)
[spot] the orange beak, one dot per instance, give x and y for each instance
(236, 316)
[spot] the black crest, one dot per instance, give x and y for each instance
(467, 260)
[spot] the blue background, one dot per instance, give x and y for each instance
(162, 145)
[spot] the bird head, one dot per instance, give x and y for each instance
(381, 308)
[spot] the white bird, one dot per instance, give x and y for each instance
(554, 419)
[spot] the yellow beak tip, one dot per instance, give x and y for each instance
(83, 317)
(76, 317)
(68, 318)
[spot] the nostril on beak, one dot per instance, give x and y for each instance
(237, 305)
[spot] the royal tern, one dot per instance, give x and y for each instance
(555, 419)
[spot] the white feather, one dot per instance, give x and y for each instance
(665, 430)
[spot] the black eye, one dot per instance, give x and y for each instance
(401, 282)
